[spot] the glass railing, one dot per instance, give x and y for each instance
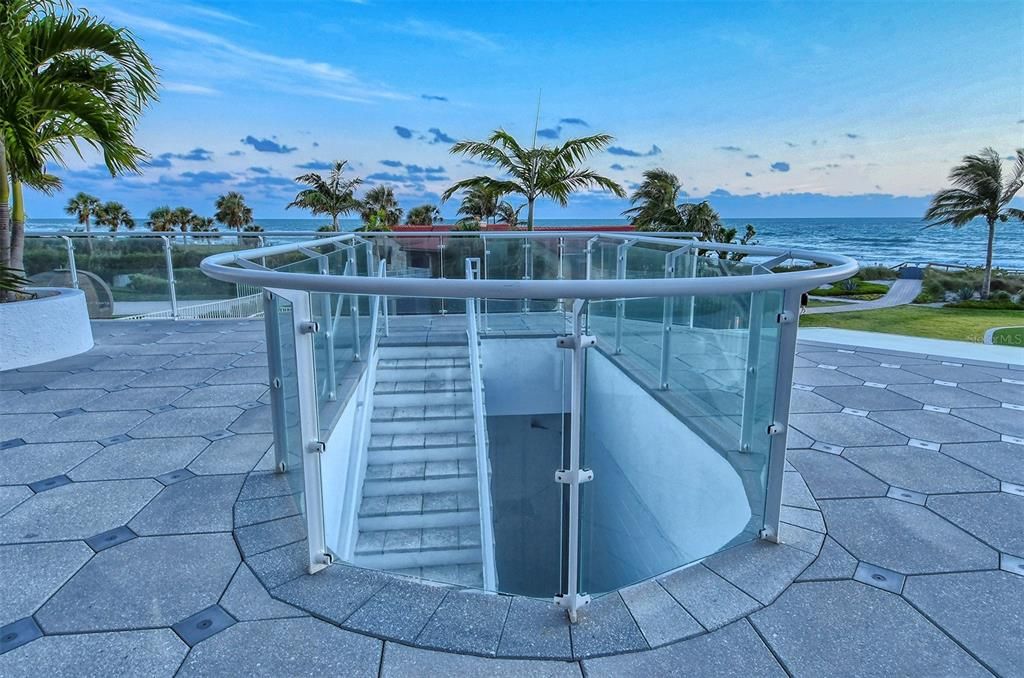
(636, 390)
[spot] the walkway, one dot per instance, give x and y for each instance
(903, 291)
(141, 526)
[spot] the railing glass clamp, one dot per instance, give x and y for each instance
(317, 447)
(570, 342)
(311, 327)
(776, 428)
(785, 317)
(583, 475)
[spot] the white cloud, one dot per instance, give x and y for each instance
(445, 33)
(186, 88)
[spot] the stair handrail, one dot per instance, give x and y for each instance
(480, 434)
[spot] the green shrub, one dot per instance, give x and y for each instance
(1001, 295)
(965, 293)
(877, 273)
(852, 287)
(931, 292)
(987, 305)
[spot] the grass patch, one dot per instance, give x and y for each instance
(1009, 336)
(854, 291)
(815, 303)
(915, 321)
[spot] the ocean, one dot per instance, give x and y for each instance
(886, 241)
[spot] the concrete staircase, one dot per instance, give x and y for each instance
(420, 509)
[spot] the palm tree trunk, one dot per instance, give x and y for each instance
(17, 254)
(334, 222)
(5, 209)
(529, 214)
(986, 285)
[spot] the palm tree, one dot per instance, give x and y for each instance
(232, 211)
(380, 207)
(509, 214)
(654, 202)
(979, 191)
(83, 206)
(66, 77)
(551, 172)
(480, 203)
(114, 215)
(198, 224)
(160, 219)
(333, 196)
(181, 217)
(424, 215)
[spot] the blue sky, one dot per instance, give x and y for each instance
(770, 109)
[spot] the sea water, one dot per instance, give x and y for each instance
(887, 241)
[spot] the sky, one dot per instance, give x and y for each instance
(767, 109)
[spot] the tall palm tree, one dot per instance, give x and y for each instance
(114, 215)
(380, 206)
(424, 215)
(480, 203)
(83, 206)
(66, 78)
(980, 190)
(547, 171)
(654, 202)
(181, 217)
(232, 211)
(508, 214)
(160, 219)
(333, 195)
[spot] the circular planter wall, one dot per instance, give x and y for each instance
(54, 325)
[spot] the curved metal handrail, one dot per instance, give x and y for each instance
(838, 267)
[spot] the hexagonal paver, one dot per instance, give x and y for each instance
(76, 510)
(106, 380)
(145, 582)
(186, 422)
(47, 401)
(148, 653)
(235, 394)
(846, 430)
(236, 454)
(135, 399)
(845, 628)
(12, 495)
(87, 426)
(145, 458)
(956, 374)
(982, 610)
(22, 425)
(903, 537)
(804, 402)
(28, 463)
(913, 468)
(1004, 461)
(934, 426)
(836, 358)
(998, 419)
(200, 504)
(943, 396)
(997, 518)
(1001, 391)
(867, 398)
(173, 378)
(241, 375)
(884, 375)
(255, 648)
(815, 376)
(31, 573)
(829, 476)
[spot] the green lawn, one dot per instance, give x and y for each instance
(814, 303)
(1011, 336)
(916, 321)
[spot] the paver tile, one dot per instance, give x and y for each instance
(998, 419)
(996, 518)
(87, 426)
(31, 573)
(246, 599)
(711, 600)
(828, 476)
(151, 653)
(913, 468)
(200, 504)
(943, 396)
(145, 458)
(32, 462)
(1004, 461)
(867, 398)
(846, 430)
(933, 426)
(535, 628)
(466, 621)
(401, 660)
(660, 617)
(191, 421)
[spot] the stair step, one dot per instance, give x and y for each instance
(428, 351)
(409, 454)
(421, 362)
(400, 561)
(422, 503)
(389, 441)
(408, 521)
(417, 486)
(418, 540)
(422, 386)
(418, 398)
(415, 412)
(422, 470)
(422, 425)
(468, 574)
(403, 374)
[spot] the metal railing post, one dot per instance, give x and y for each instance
(666, 324)
(169, 261)
(328, 331)
(275, 368)
(309, 427)
(72, 267)
(573, 599)
(778, 431)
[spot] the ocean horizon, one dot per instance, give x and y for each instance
(882, 240)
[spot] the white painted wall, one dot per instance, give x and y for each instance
(342, 466)
(41, 330)
(694, 494)
(525, 376)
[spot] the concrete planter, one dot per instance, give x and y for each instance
(55, 325)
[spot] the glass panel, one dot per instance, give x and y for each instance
(280, 326)
(679, 472)
(200, 295)
(130, 271)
